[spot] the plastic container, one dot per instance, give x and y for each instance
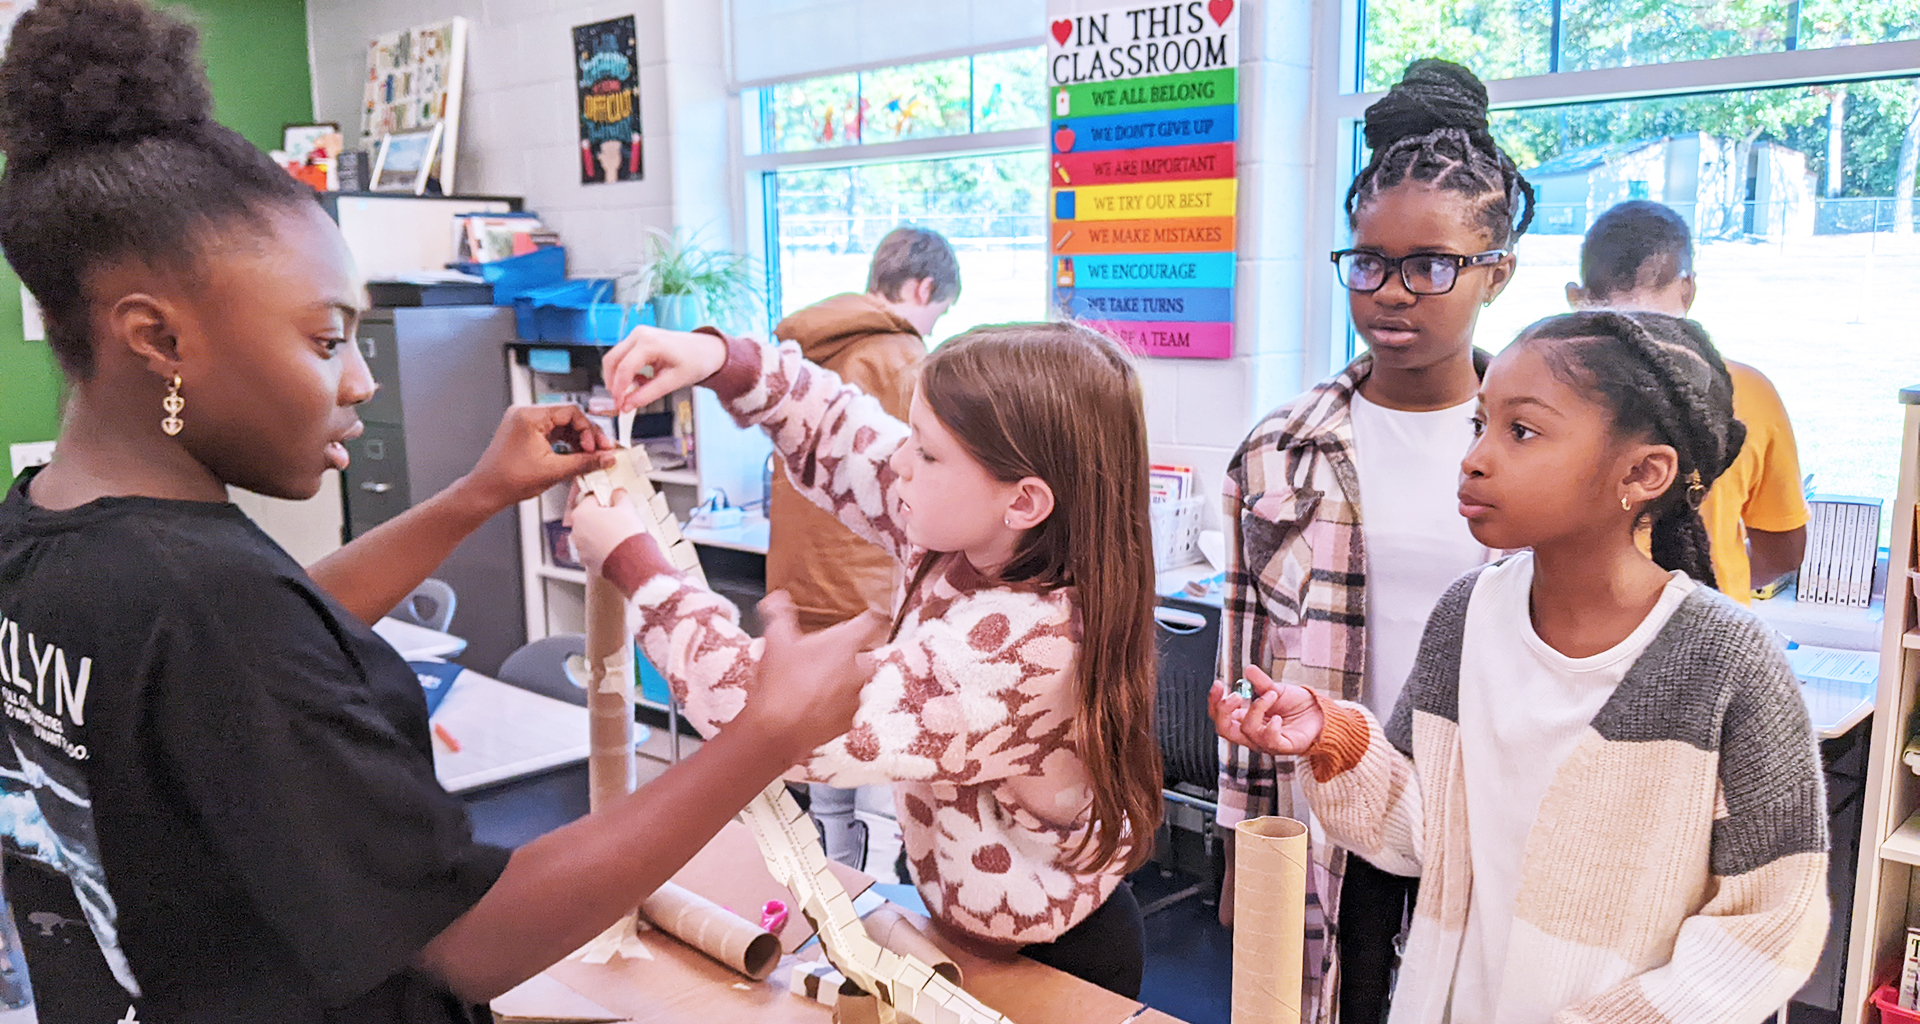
(1176, 532)
(602, 323)
(581, 311)
(1886, 999)
(516, 275)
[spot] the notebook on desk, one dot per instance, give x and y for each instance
(487, 731)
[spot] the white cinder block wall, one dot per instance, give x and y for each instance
(1199, 410)
(519, 139)
(518, 134)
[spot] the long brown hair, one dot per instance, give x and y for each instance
(1059, 402)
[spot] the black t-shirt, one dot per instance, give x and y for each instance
(232, 771)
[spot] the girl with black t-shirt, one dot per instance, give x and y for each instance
(212, 765)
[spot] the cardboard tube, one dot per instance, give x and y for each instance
(610, 763)
(1269, 920)
(714, 930)
(894, 932)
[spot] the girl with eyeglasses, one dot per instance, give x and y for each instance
(1319, 594)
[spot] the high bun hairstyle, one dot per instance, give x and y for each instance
(1432, 127)
(1664, 381)
(112, 152)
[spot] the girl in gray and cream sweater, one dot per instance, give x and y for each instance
(1601, 769)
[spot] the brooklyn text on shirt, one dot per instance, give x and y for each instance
(46, 690)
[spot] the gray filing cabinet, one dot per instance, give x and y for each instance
(442, 392)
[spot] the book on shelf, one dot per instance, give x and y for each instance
(1843, 546)
(1910, 970)
(1169, 483)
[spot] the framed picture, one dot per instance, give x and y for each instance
(405, 160)
(298, 141)
(415, 79)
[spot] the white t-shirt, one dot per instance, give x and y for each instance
(1523, 708)
(1417, 542)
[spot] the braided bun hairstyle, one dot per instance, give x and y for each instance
(112, 152)
(1664, 381)
(1432, 127)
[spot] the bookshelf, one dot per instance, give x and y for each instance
(1890, 828)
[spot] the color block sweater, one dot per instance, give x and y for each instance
(970, 709)
(1677, 870)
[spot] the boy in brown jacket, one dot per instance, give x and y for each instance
(872, 340)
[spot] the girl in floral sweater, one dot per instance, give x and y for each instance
(1010, 705)
(1600, 768)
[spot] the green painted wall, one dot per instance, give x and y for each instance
(256, 53)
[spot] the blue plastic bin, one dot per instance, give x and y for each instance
(517, 275)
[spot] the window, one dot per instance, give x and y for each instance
(992, 208)
(1794, 163)
(1804, 262)
(1515, 38)
(955, 145)
(958, 96)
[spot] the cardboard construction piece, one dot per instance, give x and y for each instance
(907, 989)
(1269, 920)
(713, 930)
(542, 1000)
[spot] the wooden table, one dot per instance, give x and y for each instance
(681, 986)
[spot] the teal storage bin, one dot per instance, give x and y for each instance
(517, 275)
(653, 685)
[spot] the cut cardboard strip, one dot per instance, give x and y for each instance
(543, 1000)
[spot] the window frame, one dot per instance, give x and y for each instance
(759, 169)
(1340, 109)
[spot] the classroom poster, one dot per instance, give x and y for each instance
(1144, 197)
(607, 74)
(414, 80)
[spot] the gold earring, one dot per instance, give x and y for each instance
(1625, 506)
(173, 403)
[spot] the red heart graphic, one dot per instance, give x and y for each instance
(1063, 29)
(1220, 9)
(1063, 141)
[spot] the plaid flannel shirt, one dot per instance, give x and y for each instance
(1295, 605)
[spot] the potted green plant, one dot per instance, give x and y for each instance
(691, 285)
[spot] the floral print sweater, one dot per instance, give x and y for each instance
(970, 709)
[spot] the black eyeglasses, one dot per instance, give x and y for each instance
(1424, 273)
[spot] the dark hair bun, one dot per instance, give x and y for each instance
(85, 72)
(1432, 95)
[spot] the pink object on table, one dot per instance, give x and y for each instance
(773, 916)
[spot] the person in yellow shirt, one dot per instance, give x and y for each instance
(1639, 256)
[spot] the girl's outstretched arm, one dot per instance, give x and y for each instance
(968, 700)
(834, 439)
(1363, 789)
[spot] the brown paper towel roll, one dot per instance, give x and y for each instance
(892, 930)
(1269, 920)
(610, 762)
(714, 930)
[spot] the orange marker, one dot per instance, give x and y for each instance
(446, 737)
